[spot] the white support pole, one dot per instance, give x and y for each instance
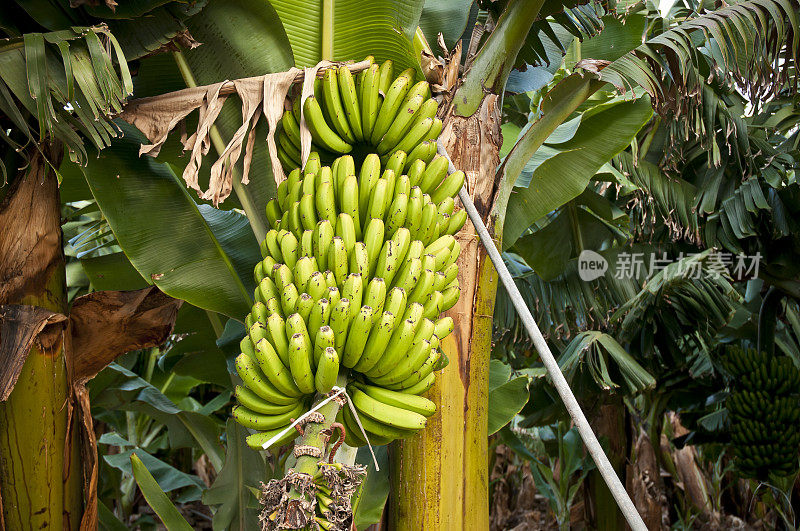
(559, 382)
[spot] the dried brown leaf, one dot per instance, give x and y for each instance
(106, 324)
(19, 327)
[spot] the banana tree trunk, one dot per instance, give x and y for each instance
(440, 476)
(40, 475)
(609, 425)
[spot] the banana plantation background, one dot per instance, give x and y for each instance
(634, 161)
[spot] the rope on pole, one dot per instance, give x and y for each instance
(613, 482)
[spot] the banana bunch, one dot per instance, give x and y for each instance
(764, 407)
(373, 112)
(355, 274)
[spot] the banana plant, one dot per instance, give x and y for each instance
(497, 41)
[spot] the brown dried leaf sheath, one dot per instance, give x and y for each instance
(156, 116)
(19, 328)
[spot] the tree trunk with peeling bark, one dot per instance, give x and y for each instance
(40, 467)
(440, 476)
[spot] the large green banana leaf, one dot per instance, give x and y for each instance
(190, 251)
(508, 394)
(351, 29)
(448, 17)
(560, 172)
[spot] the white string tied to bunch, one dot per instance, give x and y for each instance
(338, 391)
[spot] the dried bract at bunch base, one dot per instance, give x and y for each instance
(300, 501)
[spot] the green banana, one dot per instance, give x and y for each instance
(346, 230)
(396, 301)
(327, 371)
(333, 294)
(396, 163)
(333, 105)
(423, 152)
(307, 245)
(376, 207)
(394, 98)
(253, 402)
(402, 336)
(337, 260)
(357, 336)
(450, 297)
(326, 203)
(319, 317)
(420, 374)
(433, 306)
(289, 297)
(300, 362)
(423, 288)
(246, 347)
(346, 168)
(272, 246)
(369, 100)
(286, 161)
(449, 187)
(277, 374)
(359, 261)
(375, 294)
(428, 224)
(368, 176)
(254, 379)
(347, 89)
(434, 174)
(316, 286)
(276, 331)
(388, 261)
(401, 123)
(257, 421)
(308, 213)
(402, 186)
(352, 427)
(282, 276)
(373, 240)
(323, 235)
(353, 291)
(303, 270)
(444, 327)
(348, 198)
(387, 414)
(420, 405)
(376, 343)
(258, 271)
(340, 322)
(435, 131)
(415, 170)
(256, 441)
(291, 128)
(398, 211)
(320, 130)
(409, 275)
(390, 178)
(385, 76)
(415, 207)
(325, 338)
(455, 251)
(423, 385)
(384, 431)
(304, 306)
(417, 132)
